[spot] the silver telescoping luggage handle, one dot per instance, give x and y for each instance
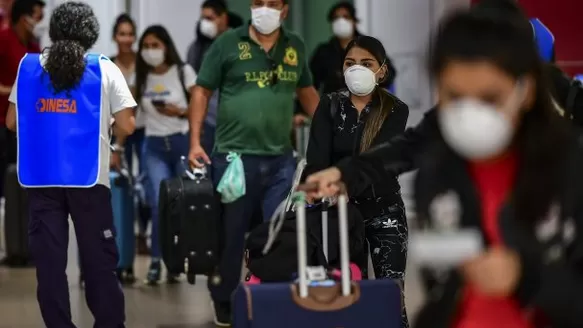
(194, 173)
(300, 201)
(325, 228)
(289, 204)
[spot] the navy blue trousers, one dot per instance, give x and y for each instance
(268, 180)
(90, 210)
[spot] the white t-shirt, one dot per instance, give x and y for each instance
(166, 87)
(115, 96)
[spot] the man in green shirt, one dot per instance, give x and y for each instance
(257, 68)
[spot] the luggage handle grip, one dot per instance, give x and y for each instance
(300, 200)
(194, 173)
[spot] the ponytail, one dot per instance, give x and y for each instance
(65, 64)
(376, 118)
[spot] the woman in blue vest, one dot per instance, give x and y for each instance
(62, 120)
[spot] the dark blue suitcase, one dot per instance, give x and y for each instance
(373, 303)
(367, 303)
(122, 203)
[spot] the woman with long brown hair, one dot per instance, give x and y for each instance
(351, 121)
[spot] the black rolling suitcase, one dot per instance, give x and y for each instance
(15, 220)
(190, 213)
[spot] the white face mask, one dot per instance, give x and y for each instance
(476, 130)
(342, 28)
(208, 28)
(38, 28)
(360, 80)
(265, 20)
(153, 57)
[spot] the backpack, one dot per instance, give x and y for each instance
(184, 90)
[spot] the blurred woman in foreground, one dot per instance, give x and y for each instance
(506, 165)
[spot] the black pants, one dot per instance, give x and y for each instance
(7, 153)
(48, 237)
(387, 236)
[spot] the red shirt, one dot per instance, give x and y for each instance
(493, 180)
(11, 52)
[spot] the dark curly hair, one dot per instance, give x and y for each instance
(73, 29)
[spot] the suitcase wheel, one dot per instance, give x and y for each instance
(191, 278)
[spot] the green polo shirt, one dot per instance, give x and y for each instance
(255, 109)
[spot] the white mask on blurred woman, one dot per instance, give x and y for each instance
(477, 130)
(342, 28)
(208, 28)
(153, 57)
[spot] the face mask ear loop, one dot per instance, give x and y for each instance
(378, 70)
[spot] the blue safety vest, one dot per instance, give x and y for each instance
(545, 39)
(58, 133)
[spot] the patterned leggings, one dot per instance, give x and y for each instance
(387, 236)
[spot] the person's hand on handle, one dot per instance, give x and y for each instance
(299, 120)
(197, 157)
(325, 183)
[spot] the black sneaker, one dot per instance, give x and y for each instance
(222, 314)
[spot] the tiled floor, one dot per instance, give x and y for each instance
(177, 306)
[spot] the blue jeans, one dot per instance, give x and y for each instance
(268, 180)
(163, 161)
(135, 145)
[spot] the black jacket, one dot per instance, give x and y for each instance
(394, 156)
(552, 263)
(336, 134)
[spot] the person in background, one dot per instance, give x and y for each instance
(213, 22)
(352, 121)
(124, 35)
(5, 9)
(15, 42)
(511, 165)
(234, 19)
(326, 63)
(327, 60)
(61, 106)
(163, 87)
(257, 67)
